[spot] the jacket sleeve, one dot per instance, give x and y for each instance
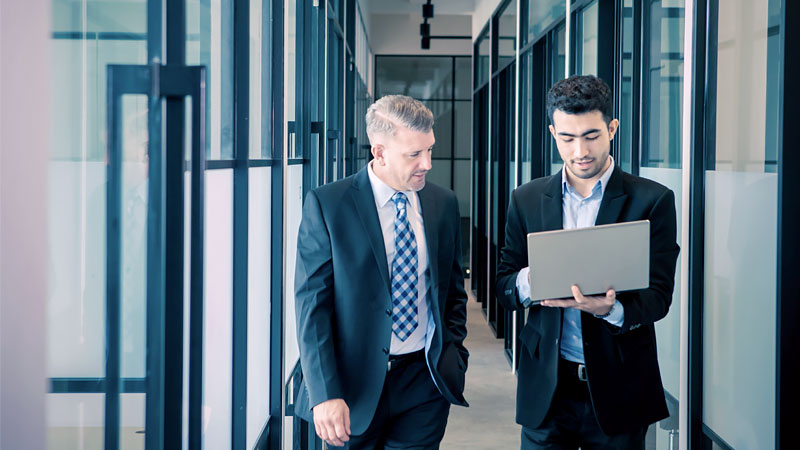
(646, 306)
(513, 257)
(314, 305)
(455, 314)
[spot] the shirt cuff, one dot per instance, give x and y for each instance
(524, 287)
(616, 316)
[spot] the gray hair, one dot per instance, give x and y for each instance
(391, 111)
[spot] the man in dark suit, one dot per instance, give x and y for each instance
(381, 306)
(588, 374)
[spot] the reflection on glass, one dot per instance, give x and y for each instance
(543, 14)
(662, 85)
(507, 34)
(588, 39)
(424, 78)
(526, 132)
(77, 212)
(626, 95)
(463, 74)
(484, 47)
(739, 329)
(662, 91)
(210, 43)
(257, 150)
(558, 61)
(442, 129)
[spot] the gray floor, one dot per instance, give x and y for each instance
(488, 423)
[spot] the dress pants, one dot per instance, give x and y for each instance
(570, 424)
(411, 413)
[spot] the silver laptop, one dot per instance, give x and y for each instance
(596, 259)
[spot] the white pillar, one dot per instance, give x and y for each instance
(24, 130)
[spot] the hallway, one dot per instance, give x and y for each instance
(491, 387)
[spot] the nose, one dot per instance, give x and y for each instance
(426, 161)
(581, 149)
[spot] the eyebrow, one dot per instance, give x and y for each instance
(585, 133)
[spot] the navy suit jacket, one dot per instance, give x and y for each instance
(343, 298)
(621, 362)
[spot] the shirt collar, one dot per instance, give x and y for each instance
(602, 182)
(381, 191)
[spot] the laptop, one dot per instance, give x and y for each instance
(597, 259)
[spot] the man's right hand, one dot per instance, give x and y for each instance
(332, 421)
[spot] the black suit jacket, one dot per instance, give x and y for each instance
(621, 363)
(343, 297)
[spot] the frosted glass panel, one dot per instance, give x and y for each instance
(258, 301)
(739, 315)
(75, 421)
(76, 307)
(668, 329)
(294, 212)
(740, 270)
(218, 326)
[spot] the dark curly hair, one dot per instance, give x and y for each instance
(580, 94)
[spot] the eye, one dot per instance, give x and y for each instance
(591, 138)
(566, 139)
(414, 155)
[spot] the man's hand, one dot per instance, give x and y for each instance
(594, 304)
(332, 421)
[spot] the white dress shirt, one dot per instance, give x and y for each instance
(386, 214)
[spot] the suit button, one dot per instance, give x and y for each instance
(388, 312)
(385, 351)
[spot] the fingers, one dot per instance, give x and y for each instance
(611, 294)
(576, 293)
(332, 422)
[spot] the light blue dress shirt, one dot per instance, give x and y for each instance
(578, 212)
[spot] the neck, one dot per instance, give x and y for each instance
(584, 186)
(377, 169)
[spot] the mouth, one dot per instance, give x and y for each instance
(419, 176)
(583, 164)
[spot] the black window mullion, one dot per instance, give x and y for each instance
(241, 150)
(788, 393)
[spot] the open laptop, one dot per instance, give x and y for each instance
(596, 259)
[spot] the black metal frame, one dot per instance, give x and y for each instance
(788, 311)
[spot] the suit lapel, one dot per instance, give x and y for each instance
(430, 222)
(552, 205)
(368, 213)
(613, 199)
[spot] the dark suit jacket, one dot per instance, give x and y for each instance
(343, 297)
(621, 364)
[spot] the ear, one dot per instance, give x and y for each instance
(552, 131)
(613, 126)
(377, 152)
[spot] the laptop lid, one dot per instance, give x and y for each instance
(595, 258)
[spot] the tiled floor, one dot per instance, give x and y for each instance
(490, 390)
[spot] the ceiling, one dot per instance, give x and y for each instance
(444, 7)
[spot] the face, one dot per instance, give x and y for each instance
(403, 161)
(584, 142)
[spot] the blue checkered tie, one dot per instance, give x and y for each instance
(404, 273)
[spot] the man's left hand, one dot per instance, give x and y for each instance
(594, 304)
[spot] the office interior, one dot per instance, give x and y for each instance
(156, 153)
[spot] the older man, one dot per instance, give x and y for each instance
(381, 306)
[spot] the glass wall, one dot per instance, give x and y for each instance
(87, 36)
(660, 160)
(587, 39)
(558, 71)
(443, 83)
(739, 314)
(507, 34)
